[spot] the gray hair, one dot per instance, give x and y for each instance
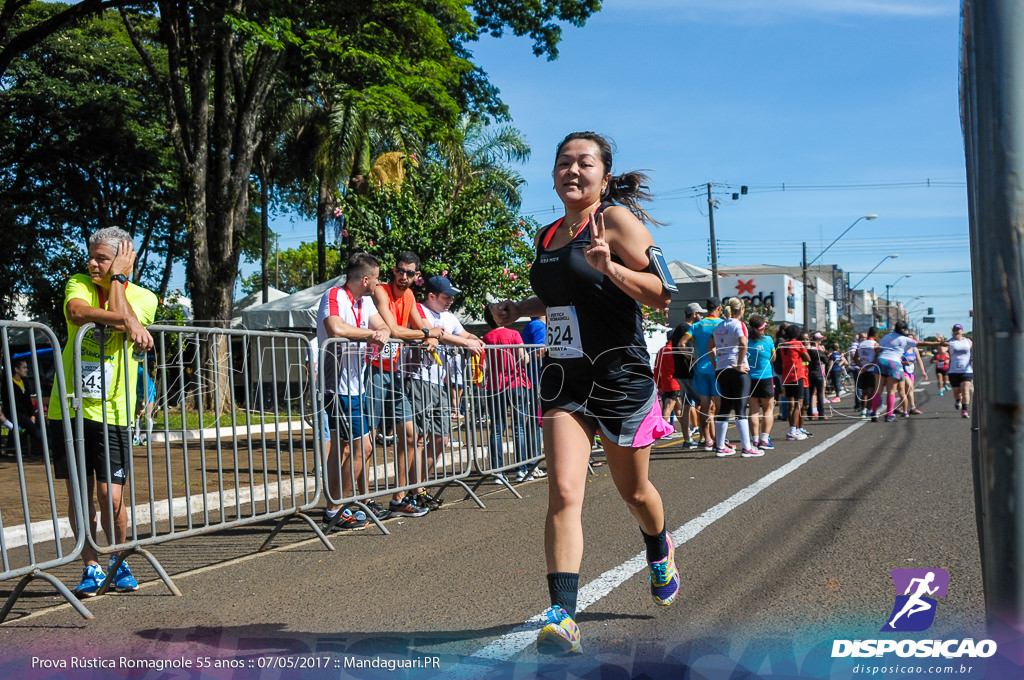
(109, 236)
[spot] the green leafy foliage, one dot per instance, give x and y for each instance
(475, 240)
(85, 146)
(294, 269)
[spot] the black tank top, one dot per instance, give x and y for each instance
(610, 321)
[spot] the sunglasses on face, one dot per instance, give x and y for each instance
(405, 272)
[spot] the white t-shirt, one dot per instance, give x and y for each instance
(727, 344)
(960, 356)
(422, 364)
(344, 360)
(893, 347)
(866, 352)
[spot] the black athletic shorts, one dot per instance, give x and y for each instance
(793, 390)
(95, 453)
(955, 379)
(762, 388)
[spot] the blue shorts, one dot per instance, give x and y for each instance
(386, 402)
(346, 415)
(705, 384)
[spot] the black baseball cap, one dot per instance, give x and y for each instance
(713, 302)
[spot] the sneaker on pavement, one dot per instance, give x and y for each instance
(723, 451)
(664, 577)
(891, 418)
(560, 634)
(965, 414)
(766, 443)
(426, 500)
(124, 582)
(806, 433)
(795, 436)
(406, 508)
(752, 452)
(378, 511)
(329, 523)
(539, 473)
(957, 406)
(499, 479)
(92, 579)
(351, 520)
(708, 446)
(915, 411)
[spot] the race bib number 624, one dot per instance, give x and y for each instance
(563, 335)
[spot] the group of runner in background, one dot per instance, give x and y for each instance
(714, 365)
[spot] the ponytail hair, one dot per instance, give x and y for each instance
(756, 325)
(735, 307)
(627, 189)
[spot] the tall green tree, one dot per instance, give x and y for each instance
(294, 269)
(84, 145)
(476, 240)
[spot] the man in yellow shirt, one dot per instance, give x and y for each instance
(121, 311)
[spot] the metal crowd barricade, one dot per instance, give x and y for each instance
(226, 435)
(32, 524)
(504, 398)
(396, 421)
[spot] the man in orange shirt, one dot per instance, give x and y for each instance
(386, 389)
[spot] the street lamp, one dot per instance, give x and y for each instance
(865, 217)
(888, 305)
(887, 257)
(807, 320)
(850, 289)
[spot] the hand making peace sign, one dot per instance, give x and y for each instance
(599, 254)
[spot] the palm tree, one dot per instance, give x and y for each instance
(479, 152)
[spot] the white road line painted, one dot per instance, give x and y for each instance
(524, 635)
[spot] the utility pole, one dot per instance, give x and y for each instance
(888, 308)
(277, 262)
(807, 316)
(714, 246)
(992, 111)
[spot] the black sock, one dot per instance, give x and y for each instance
(563, 588)
(657, 545)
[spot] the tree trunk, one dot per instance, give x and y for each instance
(323, 205)
(214, 93)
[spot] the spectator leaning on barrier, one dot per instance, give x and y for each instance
(348, 312)
(535, 333)
(121, 311)
(22, 405)
(388, 403)
(429, 372)
(506, 392)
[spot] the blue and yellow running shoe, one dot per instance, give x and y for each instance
(560, 634)
(664, 577)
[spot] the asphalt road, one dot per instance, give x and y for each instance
(779, 556)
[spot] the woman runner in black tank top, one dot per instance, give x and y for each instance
(590, 278)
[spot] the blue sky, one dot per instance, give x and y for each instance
(858, 99)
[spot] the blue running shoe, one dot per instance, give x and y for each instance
(766, 444)
(124, 582)
(664, 577)
(560, 634)
(92, 579)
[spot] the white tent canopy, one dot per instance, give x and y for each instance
(683, 272)
(294, 311)
(253, 300)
